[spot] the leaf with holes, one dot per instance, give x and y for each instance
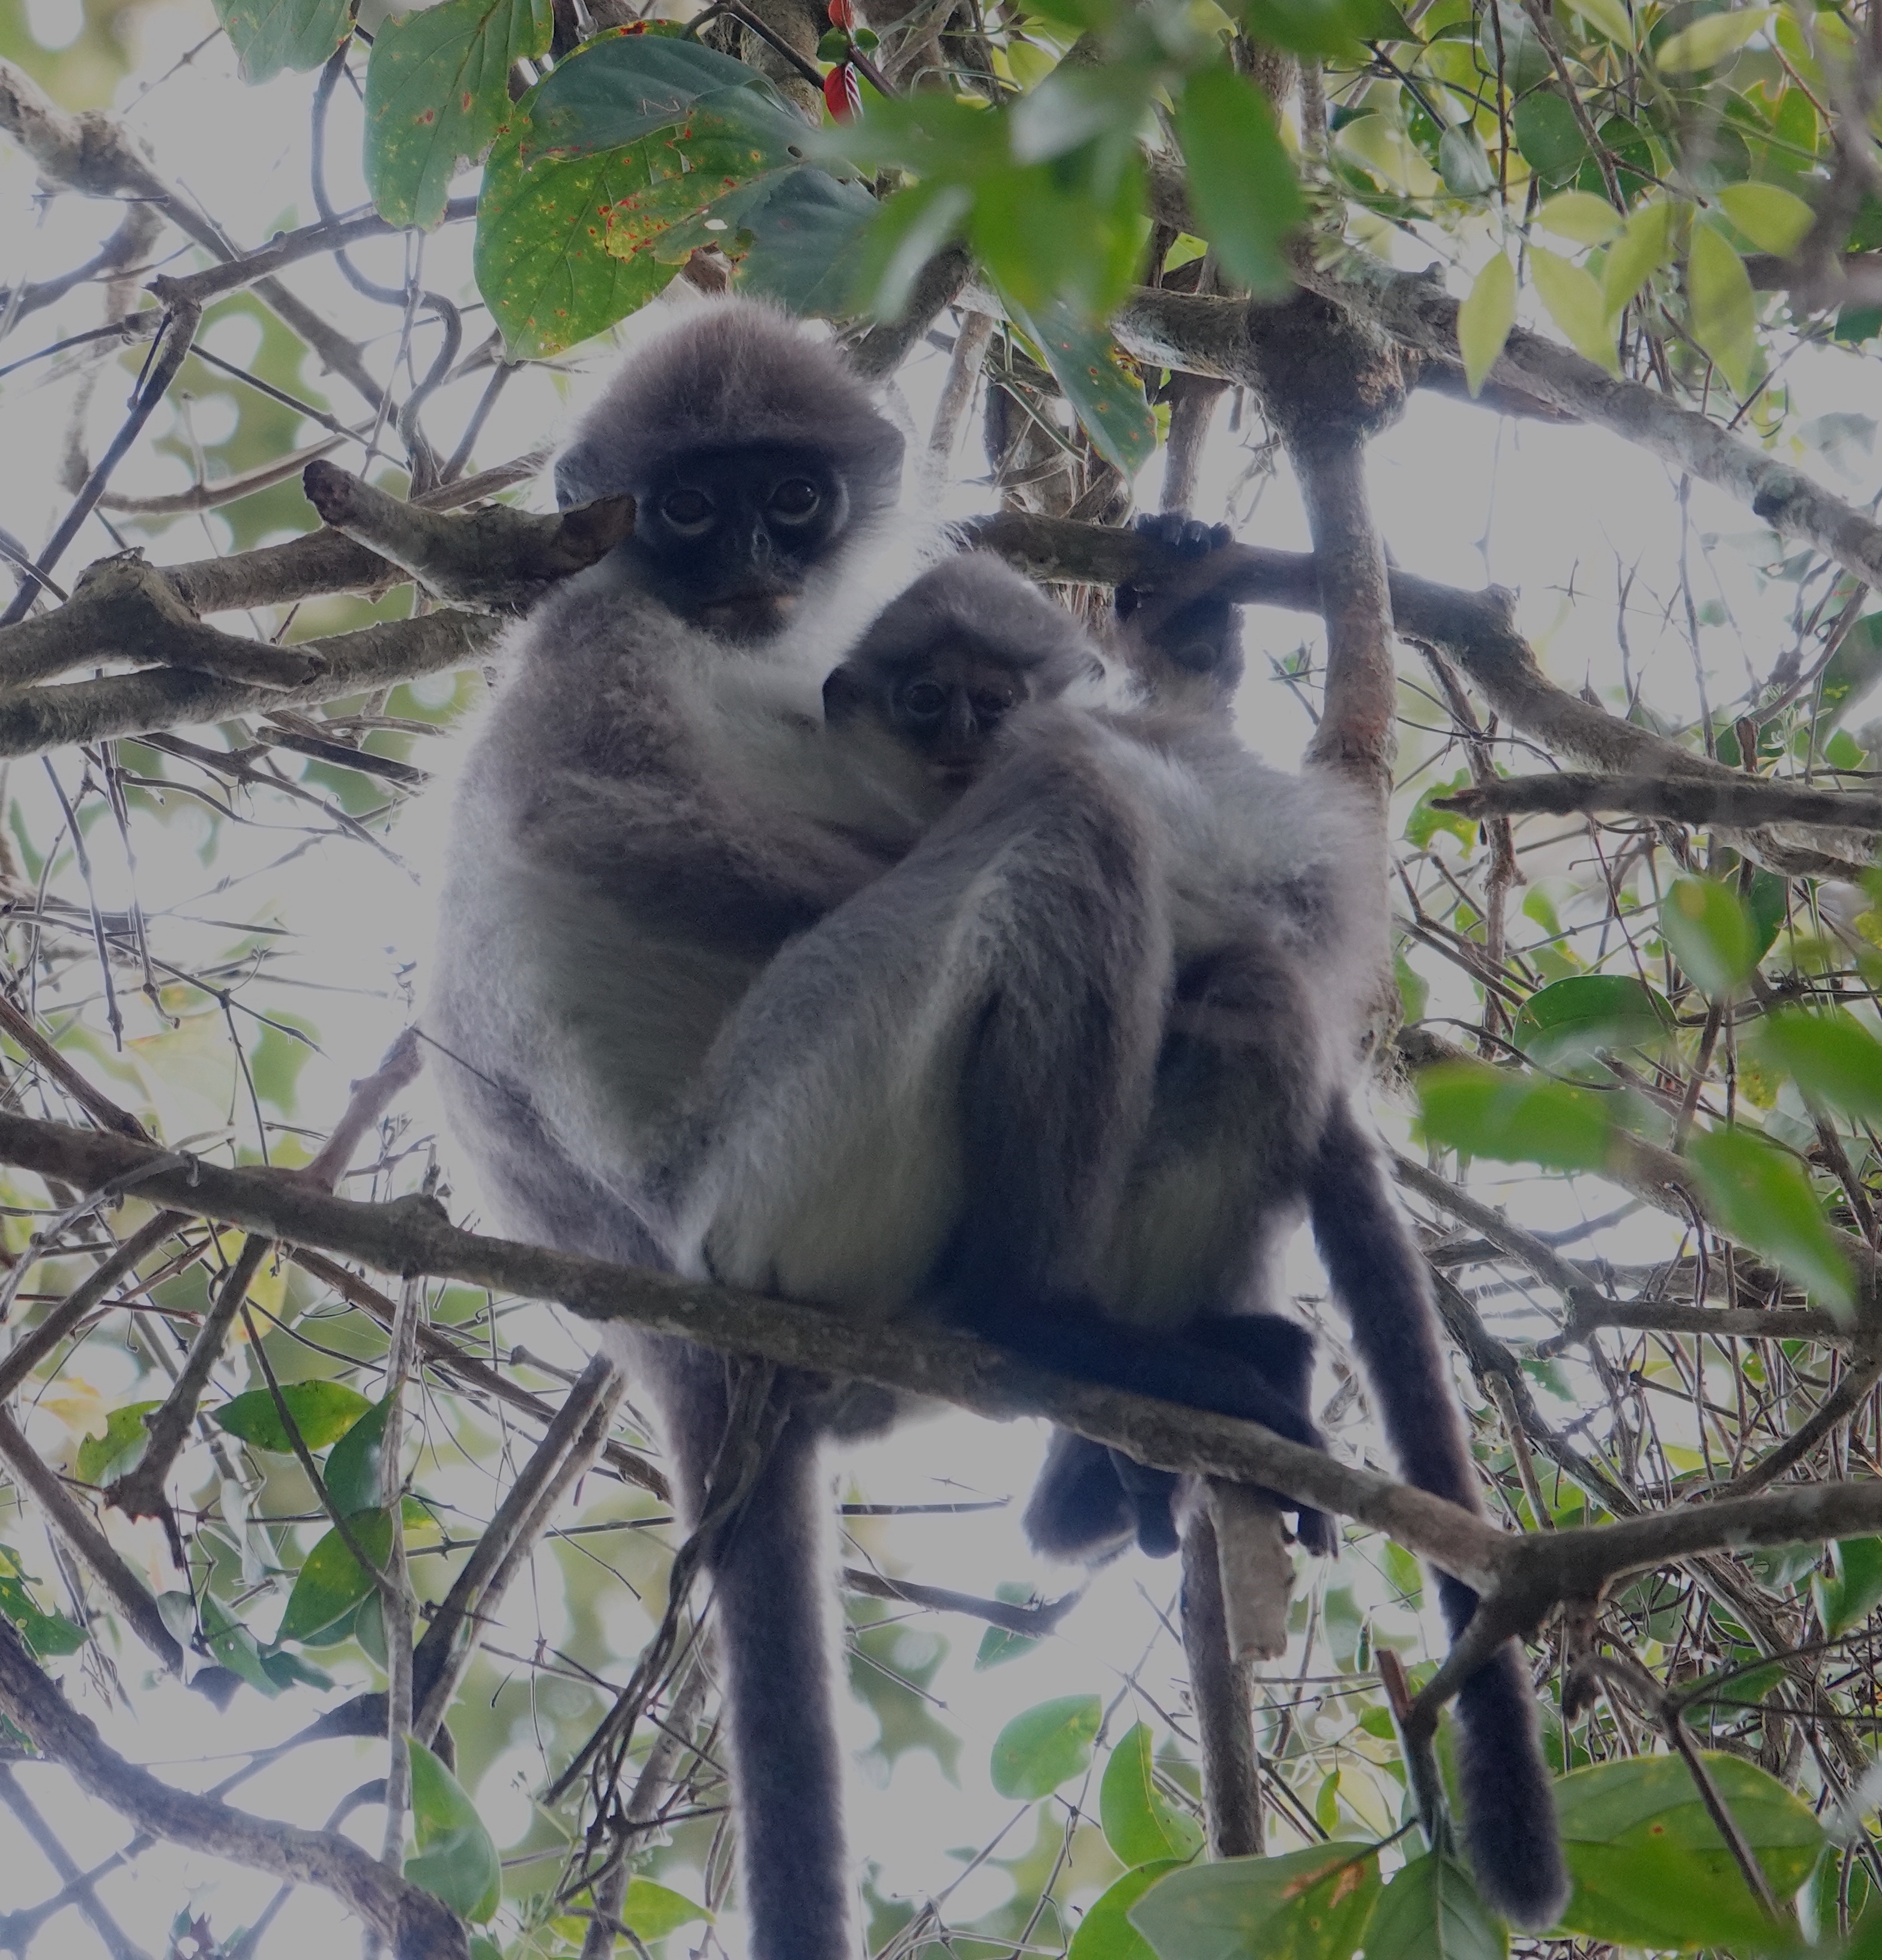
(438, 89)
(270, 35)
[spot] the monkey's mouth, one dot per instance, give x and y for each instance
(749, 616)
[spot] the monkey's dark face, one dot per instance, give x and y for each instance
(945, 706)
(728, 538)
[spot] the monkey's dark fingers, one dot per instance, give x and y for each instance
(1152, 1496)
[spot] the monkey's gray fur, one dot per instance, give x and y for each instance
(1073, 1072)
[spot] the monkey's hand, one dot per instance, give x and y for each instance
(1176, 531)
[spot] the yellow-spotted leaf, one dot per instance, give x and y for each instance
(1484, 318)
(1576, 305)
(1774, 219)
(270, 35)
(437, 90)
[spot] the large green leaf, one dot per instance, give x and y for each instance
(1106, 1932)
(1303, 1905)
(333, 1582)
(626, 86)
(438, 89)
(457, 1859)
(1853, 1588)
(1513, 1117)
(320, 1410)
(1548, 136)
(1832, 1056)
(1242, 185)
(799, 239)
(1566, 1024)
(1107, 398)
(1431, 1911)
(1040, 1749)
(1759, 1195)
(1711, 933)
(1141, 1825)
(270, 35)
(1649, 1866)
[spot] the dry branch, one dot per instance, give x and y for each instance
(495, 557)
(413, 1235)
(418, 1925)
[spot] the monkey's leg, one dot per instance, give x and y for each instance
(773, 1573)
(937, 1090)
(1376, 1269)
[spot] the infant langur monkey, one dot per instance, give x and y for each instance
(920, 707)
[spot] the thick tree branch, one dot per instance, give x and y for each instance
(418, 1925)
(1734, 800)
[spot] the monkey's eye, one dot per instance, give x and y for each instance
(924, 699)
(689, 511)
(796, 501)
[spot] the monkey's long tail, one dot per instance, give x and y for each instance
(776, 1648)
(1380, 1277)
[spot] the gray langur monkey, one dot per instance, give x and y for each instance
(649, 812)
(1071, 1074)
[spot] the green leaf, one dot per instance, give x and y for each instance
(542, 264)
(333, 1582)
(1710, 932)
(792, 234)
(1141, 1825)
(50, 1635)
(1641, 251)
(437, 90)
(1853, 1589)
(1241, 187)
(1774, 219)
(1548, 136)
(1581, 215)
(270, 35)
(1484, 318)
(1302, 1905)
(1724, 310)
(1464, 163)
(1513, 1117)
(1649, 1866)
(1038, 1751)
(1307, 27)
(101, 1458)
(997, 1645)
(1757, 1194)
(1708, 40)
(1576, 305)
(1106, 1932)
(353, 1476)
(1831, 1058)
(1567, 1023)
(655, 1910)
(232, 1646)
(321, 1411)
(1108, 401)
(457, 1860)
(1610, 16)
(1431, 1911)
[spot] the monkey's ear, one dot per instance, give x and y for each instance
(845, 694)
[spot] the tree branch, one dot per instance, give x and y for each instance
(1733, 799)
(419, 1926)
